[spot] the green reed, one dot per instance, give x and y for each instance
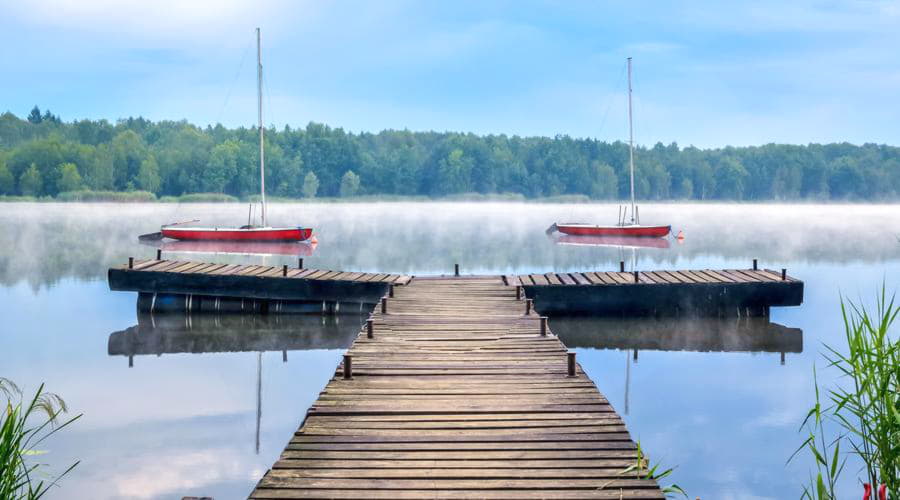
(864, 404)
(644, 470)
(24, 425)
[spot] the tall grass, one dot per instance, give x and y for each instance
(864, 405)
(24, 425)
(112, 196)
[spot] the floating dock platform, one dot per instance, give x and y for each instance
(729, 292)
(190, 286)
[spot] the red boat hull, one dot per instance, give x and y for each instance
(237, 234)
(630, 231)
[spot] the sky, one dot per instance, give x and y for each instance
(708, 74)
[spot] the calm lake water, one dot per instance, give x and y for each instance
(202, 406)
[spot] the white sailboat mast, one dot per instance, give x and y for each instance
(630, 142)
(262, 157)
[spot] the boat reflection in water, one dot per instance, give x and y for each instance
(611, 241)
(296, 248)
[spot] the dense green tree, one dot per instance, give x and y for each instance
(175, 157)
(349, 184)
(148, 175)
(69, 178)
(604, 183)
(221, 167)
(731, 177)
(128, 151)
(310, 185)
(30, 183)
(7, 181)
(35, 115)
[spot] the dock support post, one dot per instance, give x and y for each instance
(518, 292)
(635, 276)
(455, 269)
(782, 359)
(370, 325)
(528, 303)
(384, 305)
(158, 254)
(783, 274)
(621, 266)
(348, 367)
(754, 265)
(130, 262)
(543, 326)
(284, 356)
(300, 263)
(284, 270)
(391, 290)
(570, 358)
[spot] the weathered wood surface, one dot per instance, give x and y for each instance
(705, 276)
(457, 395)
(193, 267)
(267, 283)
(707, 292)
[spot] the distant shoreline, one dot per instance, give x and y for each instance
(85, 197)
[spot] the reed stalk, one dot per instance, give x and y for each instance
(24, 425)
(864, 403)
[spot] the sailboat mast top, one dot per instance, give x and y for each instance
(630, 142)
(262, 158)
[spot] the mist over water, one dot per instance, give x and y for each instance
(710, 396)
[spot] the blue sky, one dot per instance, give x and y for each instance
(706, 73)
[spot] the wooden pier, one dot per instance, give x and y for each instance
(457, 393)
(455, 387)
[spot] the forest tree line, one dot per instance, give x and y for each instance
(41, 155)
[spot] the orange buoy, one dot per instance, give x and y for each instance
(680, 236)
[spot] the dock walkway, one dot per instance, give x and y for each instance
(458, 395)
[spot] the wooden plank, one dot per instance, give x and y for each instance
(315, 275)
(622, 278)
(539, 279)
(146, 264)
(579, 279)
(721, 276)
(553, 279)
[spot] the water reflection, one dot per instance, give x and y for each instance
(291, 249)
(755, 334)
(203, 334)
(173, 333)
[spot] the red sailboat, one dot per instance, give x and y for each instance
(629, 226)
(249, 232)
